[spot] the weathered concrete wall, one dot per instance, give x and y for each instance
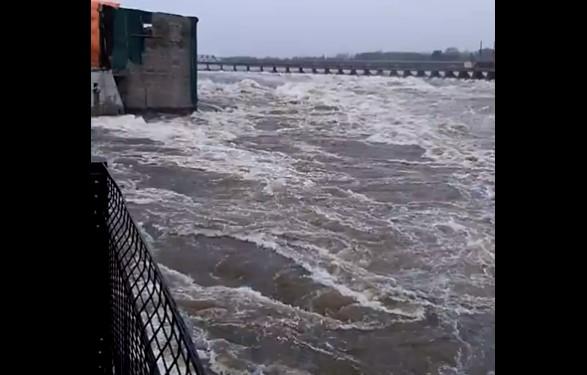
(105, 98)
(164, 80)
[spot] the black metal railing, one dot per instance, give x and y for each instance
(142, 330)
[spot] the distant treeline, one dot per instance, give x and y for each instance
(450, 54)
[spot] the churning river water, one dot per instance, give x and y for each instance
(322, 224)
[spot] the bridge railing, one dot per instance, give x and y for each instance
(142, 330)
(455, 66)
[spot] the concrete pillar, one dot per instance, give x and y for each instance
(274, 69)
(314, 70)
(261, 68)
(221, 67)
(301, 69)
(287, 69)
(208, 67)
(366, 72)
(435, 74)
(380, 72)
(106, 99)
(326, 70)
(463, 74)
(490, 76)
(248, 68)
(449, 74)
(340, 71)
(478, 75)
(420, 73)
(234, 67)
(393, 73)
(353, 71)
(407, 73)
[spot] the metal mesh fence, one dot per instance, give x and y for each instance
(145, 333)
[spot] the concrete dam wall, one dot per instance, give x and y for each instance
(151, 58)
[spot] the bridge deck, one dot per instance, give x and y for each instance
(358, 65)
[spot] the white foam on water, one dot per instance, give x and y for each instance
(147, 196)
(366, 297)
(449, 246)
(208, 147)
(382, 118)
(246, 299)
(240, 303)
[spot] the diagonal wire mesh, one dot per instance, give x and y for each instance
(147, 334)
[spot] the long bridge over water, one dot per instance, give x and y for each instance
(425, 69)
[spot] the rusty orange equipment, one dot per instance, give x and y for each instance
(95, 17)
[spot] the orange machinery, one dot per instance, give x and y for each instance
(95, 17)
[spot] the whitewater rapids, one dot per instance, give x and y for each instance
(322, 224)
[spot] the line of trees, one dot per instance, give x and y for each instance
(450, 54)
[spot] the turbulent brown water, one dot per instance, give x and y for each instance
(322, 224)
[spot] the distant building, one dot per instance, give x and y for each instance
(343, 56)
(486, 54)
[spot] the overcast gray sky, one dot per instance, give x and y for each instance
(316, 27)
